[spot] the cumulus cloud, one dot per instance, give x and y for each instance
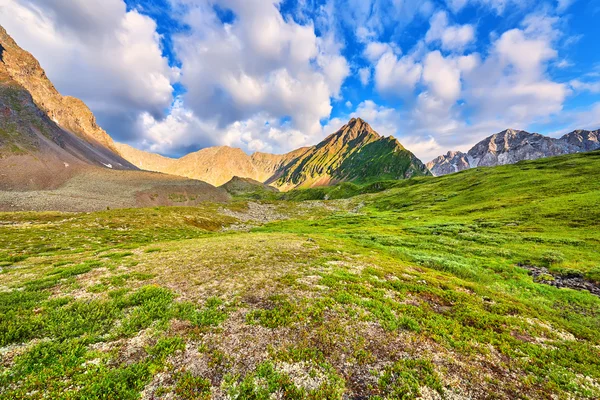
(451, 37)
(98, 51)
(265, 76)
(374, 50)
(260, 63)
(182, 132)
(397, 76)
(512, 83)
(455, 100)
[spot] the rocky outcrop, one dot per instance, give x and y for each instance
(511, 146)
(582, 140)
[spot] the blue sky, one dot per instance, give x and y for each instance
(174, 76)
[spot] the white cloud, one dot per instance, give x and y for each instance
(563, 5)
(451, 37)
(364, 74)
(374, 50)
(593, 87)
(260, 64)
(462, 99)
(182, 131)
(512, 83)
(397, 76)
(98, 51)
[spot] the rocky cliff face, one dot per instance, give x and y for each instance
(453, 161)
(69, 113)
(511, 146)
(582, 140)
(354, 153)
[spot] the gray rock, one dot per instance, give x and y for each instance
(511, 146)
(453, 161)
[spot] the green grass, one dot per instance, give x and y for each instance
(404, 289)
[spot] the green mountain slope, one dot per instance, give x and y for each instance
(354, 153)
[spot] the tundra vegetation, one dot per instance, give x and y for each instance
(393, 290)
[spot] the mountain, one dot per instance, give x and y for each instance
(35, 152)
(68, 112)
(583, 140)
(511, 146)
(354, 153)
(54, 156)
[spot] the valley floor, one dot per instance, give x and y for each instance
(413, 292)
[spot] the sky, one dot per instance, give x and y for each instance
(175, 76)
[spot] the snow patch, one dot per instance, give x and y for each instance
(107, 165)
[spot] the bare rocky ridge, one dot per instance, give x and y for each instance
(215, 165)
(511, 146)
(354, 153)
(69, 113)
(453, 161)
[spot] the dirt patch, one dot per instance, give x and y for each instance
(256, 212)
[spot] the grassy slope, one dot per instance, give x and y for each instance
(412, 291)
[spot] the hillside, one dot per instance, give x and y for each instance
(69, 113)
(461, 287)
(511, 146)
(215, 165)
(35, 153)
(243, 186)
(53, 155)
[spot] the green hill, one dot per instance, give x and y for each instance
(452, 287)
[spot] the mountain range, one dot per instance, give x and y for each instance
(354, 153)
(511, 146)
(50, 142)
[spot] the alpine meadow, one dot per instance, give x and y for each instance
(260, 218)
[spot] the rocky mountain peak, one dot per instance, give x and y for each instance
(355, 133)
